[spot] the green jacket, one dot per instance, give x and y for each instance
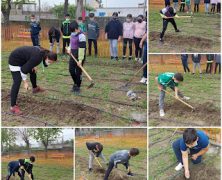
(166, 79)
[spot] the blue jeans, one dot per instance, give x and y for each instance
(145, 59)
(35, 40)
(207, 7)
(113, 47)
(178, 153)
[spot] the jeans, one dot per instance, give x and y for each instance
(196, 7)
(195, 65)
(175, 4)
(108, 171)
(113, 47)
(91, 158)
(185, 66)
(215, 70)
(145, 59)
(94, 41)
(178, 153)
(207, 7)
(35, 40)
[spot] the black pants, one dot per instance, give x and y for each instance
(17, 79)
(185, 67)
(125, 42)
(75, 72)
(213, 8)
(165, 23)
(196, 7)
(138, 50)
(182, 7)
(66, 42)
(90, 46)
(215, 70)
(35, 40)
(108, 171)
(218, 7)
(209, 68)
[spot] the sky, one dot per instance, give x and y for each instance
(108, 3)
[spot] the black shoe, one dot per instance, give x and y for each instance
(177, 30)
(130, 58)
(90, 169)
(74, 88)
(130, 174)
(112, 57)
(124, 57)
(77, 91)
(161, 39)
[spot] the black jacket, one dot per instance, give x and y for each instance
(114, 29)
(91, 146)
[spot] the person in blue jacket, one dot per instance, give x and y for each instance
(35, 29)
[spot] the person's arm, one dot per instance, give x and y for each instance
(97, 30)
(120, 31)
(200, 153)
(106, 31)
(143, 39)
(160, 87)
(185, 164)
(81, 50)
(176, 92)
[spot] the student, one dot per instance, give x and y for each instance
(207, 4)
(82, 25)
(196, 5)
(182, 5)
(54, 35)
(172, 81)
(121, 157)
(35, 29)
(213, 6)
(210, 58)
(21, 166)
(22, 61)
(143, 44)
(196, 62)
(218, 63)
(168, 14)
(167, 3)
(175, 4)
(184, 59)
(78, 50)
(140, 30)
(128, 32)
(114, 32)
(93, 33)
(95, 150)
(65, 33)
(218, 6)
(188, 5)
(197, 142)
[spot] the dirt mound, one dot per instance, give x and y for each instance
(176, 40)
(100, 170)
(118, 175)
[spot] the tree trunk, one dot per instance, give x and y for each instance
(46, 152)
(6, 12)
(66, 4)
(79, 8)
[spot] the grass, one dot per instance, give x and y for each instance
(200, 35)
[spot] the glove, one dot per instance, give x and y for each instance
(130, 174)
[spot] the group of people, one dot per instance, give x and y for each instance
(117, 158)
(211, 6)
(196, 59)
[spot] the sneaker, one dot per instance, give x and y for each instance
(179, 167)
(15, 110)
(130, 174)
(130, 58)
(74, 88)
(140, 61)
(177, 30)
(124, 57)
(77, 90)
(37, 90)
(112, 57)
(161, 39)
(90, 169)
(143, 80)
(186, 98)
(162, 113)
(136, 59)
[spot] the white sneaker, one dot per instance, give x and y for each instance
(136, 59)
(186, 98)
(179, 167)
(162, 113)
(140, 61)
(143, 80)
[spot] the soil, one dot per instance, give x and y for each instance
(204, 114)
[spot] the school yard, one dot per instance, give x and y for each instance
(111, 144)
(204, 91)
(162, 160)
(51, 168)
(105, 104)
(201, 33)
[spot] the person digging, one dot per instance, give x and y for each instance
(171, 80)
(168, 13)
(95, 151)
(23, 61)
(21, 166)
(121, 157)
(194, 143)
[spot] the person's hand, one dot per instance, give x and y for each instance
(194, 156)
(68, 50)
(160, 87)
(79, 63)
(187, 174)
(26, 85)
(119, 38)
(141, 44)
(176, 96)
(106, 36)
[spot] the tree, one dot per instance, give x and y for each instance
(79, 8)
(8, 138)
(66, 5)
(25, 134)
(46, 136)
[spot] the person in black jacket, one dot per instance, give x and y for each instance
(95, 150)
(35, 29)
(65, 32)
(54, 35)
(114, 32)
(22, 61)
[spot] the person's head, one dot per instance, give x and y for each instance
(129, 18)
(79, 19)
(190, 137)
(99, 147)
(140, 18)
(52, 31)
(178, 77)
(67, 17)
(134, 152)
(32, 18)
(91, 16)
(32, 159)
(74, 27)
(115, 15)
(49, 57)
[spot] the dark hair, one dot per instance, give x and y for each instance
(100, 147)
(52, 31)
(67, 15)
(178, 77)
(33, 15)
(141, 16)
(32, 158)
(73, 26)
(80, 18)
(134, 151)
(171, 10)
(48, 54)
(189, 135)
(115, 14)
(129, 16)
(91, 15)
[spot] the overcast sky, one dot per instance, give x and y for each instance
(108, 3)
